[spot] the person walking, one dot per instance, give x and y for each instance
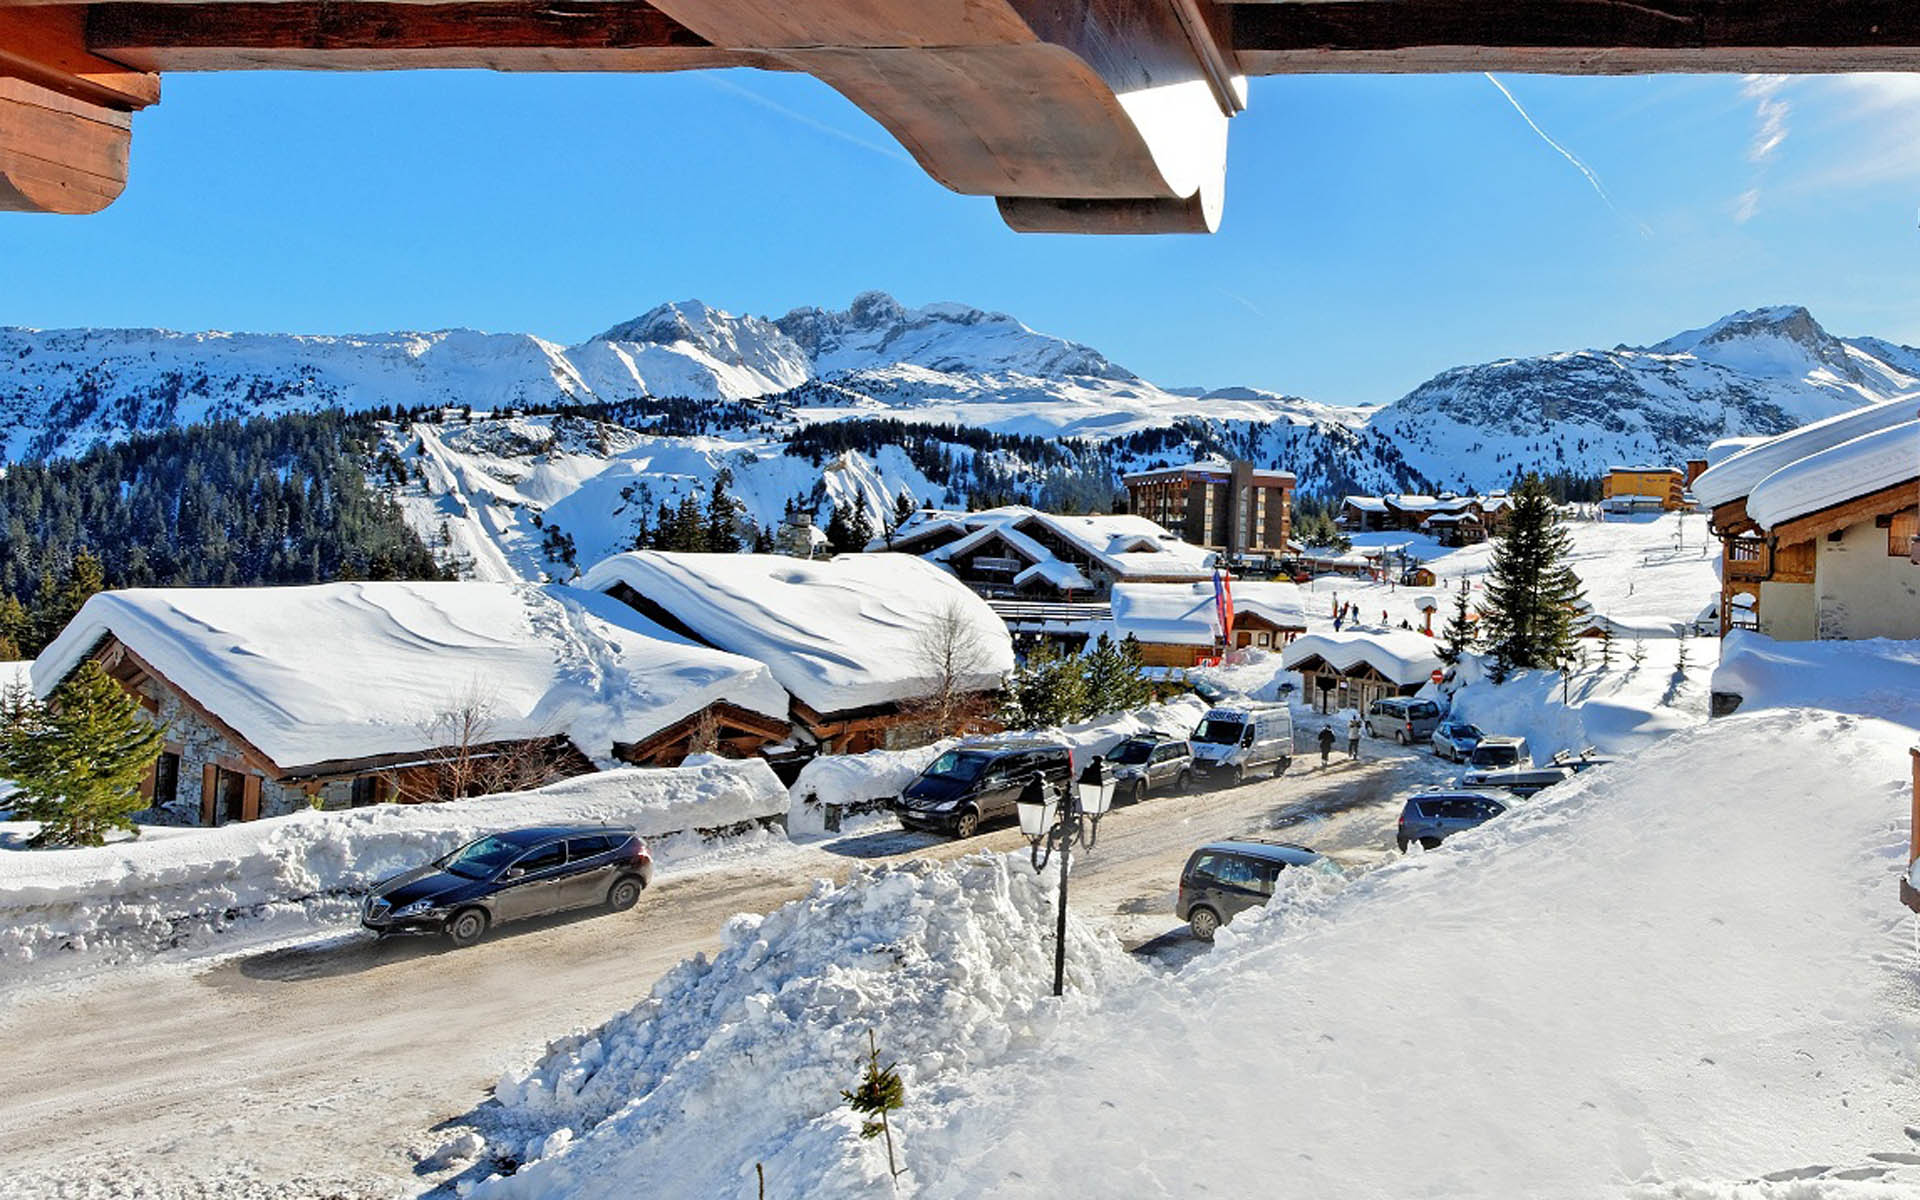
(1326, 743)
(1353, 736)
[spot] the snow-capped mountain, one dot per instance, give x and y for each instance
(1758, 372)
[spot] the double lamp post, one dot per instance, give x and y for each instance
(1050, 825)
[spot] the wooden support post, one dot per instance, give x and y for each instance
(1909, 895)
(64, 124)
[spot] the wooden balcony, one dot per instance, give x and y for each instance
(1749, 558)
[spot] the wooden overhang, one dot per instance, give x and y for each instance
(1805, 529)
(1105, 116)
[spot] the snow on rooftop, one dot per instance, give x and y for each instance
(1400, 655)
(1064, 576)
(838, 633)
(1837, 474)
(1738, 474)
(354, 670)
(1126, 545)
(1183, 614)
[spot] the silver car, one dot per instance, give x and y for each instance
(1150, 763)
(1403, 718)
(1455, 740)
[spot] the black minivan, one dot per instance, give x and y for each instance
(971, 784)
(507, 876)
(1222, 879)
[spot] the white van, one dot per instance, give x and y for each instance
(1231, 743)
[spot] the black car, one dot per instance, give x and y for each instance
(1224, 878)
(507, 876)
(968, 785)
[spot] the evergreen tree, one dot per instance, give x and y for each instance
(1457, 637)
(723, 516)
(904, 506)
(1531, 591)
(1113, 680)
(1606, 644)
(79, 759)
(839, 531)
(881, 1091)
(1047, 689)
(859, 528)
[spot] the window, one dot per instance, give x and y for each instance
(1901, 531)
(166, 779)
(588, 847)
(544, 859)
(367, 789)
(230, 795)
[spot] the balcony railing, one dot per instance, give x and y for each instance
(1749, 558)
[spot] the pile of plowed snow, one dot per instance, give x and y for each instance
(742, 1059)
(312, 868)
(1687, 966)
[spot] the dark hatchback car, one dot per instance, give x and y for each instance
(1430, 817)
(509, 876)
(969, 785)
(1223, 879)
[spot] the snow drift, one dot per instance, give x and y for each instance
(190, 888)
(1874, 676)
(741, 1059)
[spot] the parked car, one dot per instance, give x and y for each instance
(1454, 740)
(1429, 817)
(1231, 743)
(969, 785)
(1492, 753)
(510, 876)
(1151, 762)
(1223, 879)
(1521, 781)
(1403, 718)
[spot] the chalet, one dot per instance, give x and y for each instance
(1455, 520)
(860, 642)
(1817, 528)
(1021, 553)
(1353, 668)
(1238, 509)
(1643, 489)
(282, 698)
(1178, 624)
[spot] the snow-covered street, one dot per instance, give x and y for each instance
(322, 1068)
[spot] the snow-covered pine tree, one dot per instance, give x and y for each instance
(1047, 689)
(79, 759)
(1457, 636)
(881, 1091)
(1114, 683)
(1531, 591)
(722, 516)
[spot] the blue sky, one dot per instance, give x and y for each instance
(1377, 229)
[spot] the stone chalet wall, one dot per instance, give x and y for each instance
(198, 743)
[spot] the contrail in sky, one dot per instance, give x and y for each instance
(802, 118)
(1565, 153)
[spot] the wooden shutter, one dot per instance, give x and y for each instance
(209, 793)
(250, 797)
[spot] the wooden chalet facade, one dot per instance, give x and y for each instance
(1451, 520)
(1845, 571)
(1331, 688)
(1017, 553)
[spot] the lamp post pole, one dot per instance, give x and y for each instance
(1060, 931)
(1053, 824)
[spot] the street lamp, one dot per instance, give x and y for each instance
(1048, 825)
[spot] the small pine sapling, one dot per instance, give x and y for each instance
(881, 1091)
(1638, 654)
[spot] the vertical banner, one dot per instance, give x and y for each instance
(1223, 606)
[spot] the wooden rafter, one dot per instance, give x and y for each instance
(1896, 498)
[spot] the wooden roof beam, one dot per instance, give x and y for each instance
(1578, 37)
(46, 45)
(501, 35)
(64, 127)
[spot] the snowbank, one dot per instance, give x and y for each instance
(347, 671)
(741, 1059)
(1602, 991)
(865, 782)
(1875, 677)
(1184, 613)
(1617, 709)
(842, 633)
(314, 866)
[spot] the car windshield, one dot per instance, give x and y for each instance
(1466, 733)
(955, 764)
(1128, 753)
(1218, 733)
(482, 859)
(1499, 755)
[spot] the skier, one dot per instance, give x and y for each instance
(1326, 743)
(1353, 736)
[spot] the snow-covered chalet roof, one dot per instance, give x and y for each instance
(1367, 503)
(1182, 614)
(1124, 545)
(343, 671)
(1837, 474)
(1741, 472)
(839, 633)
(1400, 655)
(1064, 576)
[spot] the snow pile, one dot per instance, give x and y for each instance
(312, 867)
(1185, 613)
(741, 1059)
(1254, 673)
(1686, 966)
(845, 633)
(1874, 677)
(1620, 708)
(346, 671)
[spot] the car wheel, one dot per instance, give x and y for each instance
(1203, 922)
(624, 894)
(468, 926)
(1139, 791)
(966, 825)
(1429, 843)
(1239, 776)
(1186, 781)
(1400, 735)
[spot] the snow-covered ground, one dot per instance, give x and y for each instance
(1680, 975)
(217, 889)
(1875, 676)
